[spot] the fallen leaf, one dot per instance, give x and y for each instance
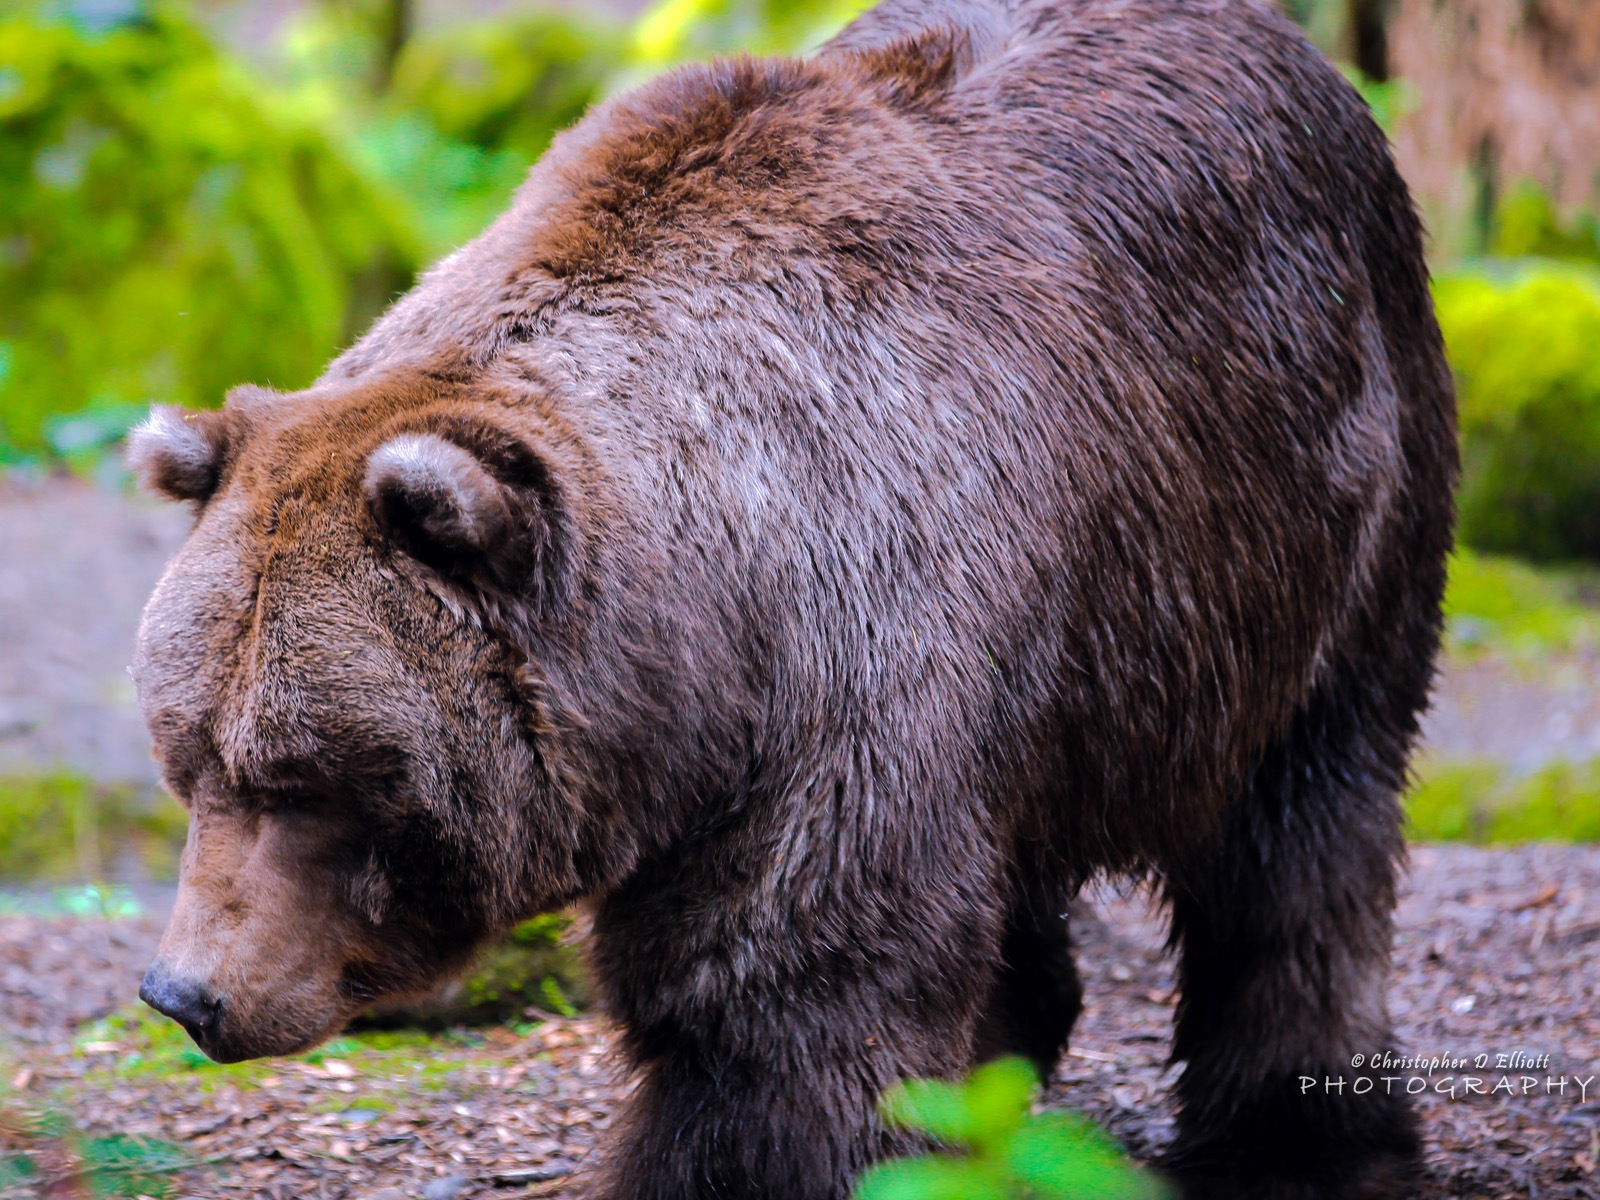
(1539, 899)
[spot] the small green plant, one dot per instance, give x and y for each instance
(1002, 1151)
(44, 1153)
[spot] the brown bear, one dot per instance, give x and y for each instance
(844, 505)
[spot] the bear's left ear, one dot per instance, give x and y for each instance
(450, 508)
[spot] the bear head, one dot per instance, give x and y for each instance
(335, 675)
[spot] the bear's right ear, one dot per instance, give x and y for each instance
(441, 504)
(177, 453)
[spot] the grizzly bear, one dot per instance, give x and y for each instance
(843, 506)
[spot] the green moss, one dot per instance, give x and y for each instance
(1447, 802)
(534, 967)
(367, 1101)
(1500, 605)
(138, 1043)
(1481, 802)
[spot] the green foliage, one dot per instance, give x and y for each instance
(471, 107)
(172, 223)
(1007, 1153)
(509, 85)
(1502, 606)
(1481, 802)
(1523, 349)
(61, 826)
(168, 225)
(1526, 225)
(674, 31)
(1389, 99)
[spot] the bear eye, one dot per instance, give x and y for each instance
(284, 801)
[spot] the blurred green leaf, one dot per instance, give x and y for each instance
(989, 1106)
(1010, 1154)
(1063, 1157)
(931, 1178)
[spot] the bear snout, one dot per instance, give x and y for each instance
(187, 1001)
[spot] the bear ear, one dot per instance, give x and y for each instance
(444, 506)
(176, 453)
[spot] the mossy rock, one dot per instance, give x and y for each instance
(537, 967)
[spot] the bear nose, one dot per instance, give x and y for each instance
(186, 1001)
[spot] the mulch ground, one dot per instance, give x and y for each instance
(1495, 955)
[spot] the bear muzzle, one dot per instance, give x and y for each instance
(187, 1001)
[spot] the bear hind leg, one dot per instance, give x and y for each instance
(1284, 940)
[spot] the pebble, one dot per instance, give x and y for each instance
(447, 1188)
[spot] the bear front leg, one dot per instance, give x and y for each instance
(762, 1043)
(1037, 995)
(1285, 940)
(798, 1126)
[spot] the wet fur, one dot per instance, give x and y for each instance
(1012, 444)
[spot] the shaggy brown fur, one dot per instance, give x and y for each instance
(843, 505)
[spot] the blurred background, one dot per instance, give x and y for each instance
(193, 195)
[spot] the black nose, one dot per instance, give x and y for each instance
(186, 1001)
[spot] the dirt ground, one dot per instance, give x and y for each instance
(1496, 955)
(77, 563)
